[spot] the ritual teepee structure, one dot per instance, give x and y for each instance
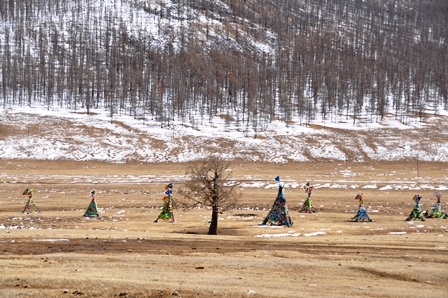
(416, 213)
(437, 211)
(307, 206)
(92, 210)
(30, 206)
(167, 213)
(361, 214)
(279, 214)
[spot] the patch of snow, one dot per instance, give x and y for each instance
(270, 227)
(314, 234)
(278, 235)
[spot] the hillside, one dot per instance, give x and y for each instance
(253, 62)
(42, 134)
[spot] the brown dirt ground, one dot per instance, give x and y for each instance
(58, 253)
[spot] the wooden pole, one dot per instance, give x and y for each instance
(418, 171)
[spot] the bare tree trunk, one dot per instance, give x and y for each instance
(213, 230)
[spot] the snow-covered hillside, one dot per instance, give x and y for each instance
(39, 133)
(260, 80)
(254, 62)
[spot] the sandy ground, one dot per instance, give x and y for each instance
(59, 253)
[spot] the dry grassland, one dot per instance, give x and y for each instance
(59, 253)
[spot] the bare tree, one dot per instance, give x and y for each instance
(211, 185)
(346, 55)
